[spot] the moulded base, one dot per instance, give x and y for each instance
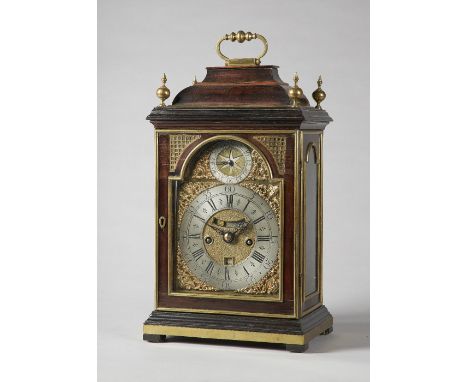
(294, 333)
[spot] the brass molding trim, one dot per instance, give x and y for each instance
(171, 219)
(227, 131)
(177, 145)
(277, 148)
(156, 203)
(320, 218)
(302, 219)
(297, 226)
(226, 295)
(227, 134)
(228, 312)
(236, 335)
(219, 138)
(236, 295)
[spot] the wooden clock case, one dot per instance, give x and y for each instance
(252, 104)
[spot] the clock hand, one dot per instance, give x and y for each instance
(217, 228)
(242, 227)
(225, 165)
(239, 226)
(235, 159)
(221, 227)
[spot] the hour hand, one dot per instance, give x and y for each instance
(228, 229)
(222, 226)
(217, 228)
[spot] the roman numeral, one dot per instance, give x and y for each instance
(246, 271)
(194, 236)
(230, 200)
(212, 205)
(258, 256)
(262, 238)
(209, 268)
(226, 274)
(197, 254)
(259, 219)
(246, 206)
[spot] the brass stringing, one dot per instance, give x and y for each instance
(201, 179)
(277, 148)
(177, 144)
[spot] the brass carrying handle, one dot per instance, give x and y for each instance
(240, 37)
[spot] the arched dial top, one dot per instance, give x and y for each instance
(230, 161)
(229, 237)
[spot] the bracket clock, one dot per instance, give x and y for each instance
(239, 207)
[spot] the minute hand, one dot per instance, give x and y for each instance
(242, 227)
(234, 227)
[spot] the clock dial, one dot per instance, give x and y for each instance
(229, 237)
(230, 162)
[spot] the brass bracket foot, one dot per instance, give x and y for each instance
(297, 348)
(154, 337)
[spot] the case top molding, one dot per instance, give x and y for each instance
(302, 118)
(241, 94)
(241, 91)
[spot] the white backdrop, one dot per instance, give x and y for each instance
(138, 41)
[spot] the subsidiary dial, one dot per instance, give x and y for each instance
(230, 162)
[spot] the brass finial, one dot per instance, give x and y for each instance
(295, 93)
(194, 82)
(163, 91)
(319, 95)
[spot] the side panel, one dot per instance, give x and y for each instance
(311, 234)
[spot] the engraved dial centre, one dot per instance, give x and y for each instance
(229, 230)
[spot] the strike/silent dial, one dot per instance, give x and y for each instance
(230, 162)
